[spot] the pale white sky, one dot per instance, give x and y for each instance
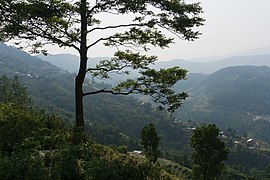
(231, 26)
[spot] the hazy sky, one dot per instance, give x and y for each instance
(231, 26)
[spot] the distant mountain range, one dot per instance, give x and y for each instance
(71, 62)
(210, 67)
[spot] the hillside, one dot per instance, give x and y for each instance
(36, 145)
(231, 97)
(236, 97)
(117, 120)
(111, 120)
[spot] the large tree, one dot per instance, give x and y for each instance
(209, 152)
(78, 24)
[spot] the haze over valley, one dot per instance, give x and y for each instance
(134, 90)
(232, 93)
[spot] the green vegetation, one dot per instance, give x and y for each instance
(150, 141)
(209, 153)
(176, 169)
(69, 24)
(233, 97)
(111, 125)
(38, 145)
(12, 92)
(110, 120)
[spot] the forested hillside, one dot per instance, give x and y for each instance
(36, 144)
(232, 98)
(111, 120)
(236, 97)
(118, 120)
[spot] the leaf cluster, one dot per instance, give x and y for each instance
(159, 85)
(57, 21)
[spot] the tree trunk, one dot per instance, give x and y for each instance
(82, 70)
(79, 101)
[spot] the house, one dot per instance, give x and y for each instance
(137, 152)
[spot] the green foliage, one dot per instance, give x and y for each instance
(246, 88)
(109, 126)
(158, 84)
(256, 158)
(69, 24)
(150, 141)
(122, 149)
(37, 146)
(54, 16)
(12, 92)
(209, 152)
(175, 169)
(23, 129)
(230, 173)
(23, 165)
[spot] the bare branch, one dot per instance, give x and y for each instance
(132, 90)
(97, 41)
(116, 26)
(108, 69)
(108, 91)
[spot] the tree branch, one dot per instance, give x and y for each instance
(48, 36)
(107, 69)
(116, 26)
(107, 91)
(104, 90)
(97, 41)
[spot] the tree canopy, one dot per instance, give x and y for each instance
(150, 141)
(78, 25)
(209, 152)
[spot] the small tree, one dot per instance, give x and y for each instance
(150, 141)
(78, 24)
(209, 153)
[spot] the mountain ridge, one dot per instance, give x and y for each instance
(71, 62)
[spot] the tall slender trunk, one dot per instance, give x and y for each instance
(82, 70)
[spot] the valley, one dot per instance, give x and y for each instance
(234, 97)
